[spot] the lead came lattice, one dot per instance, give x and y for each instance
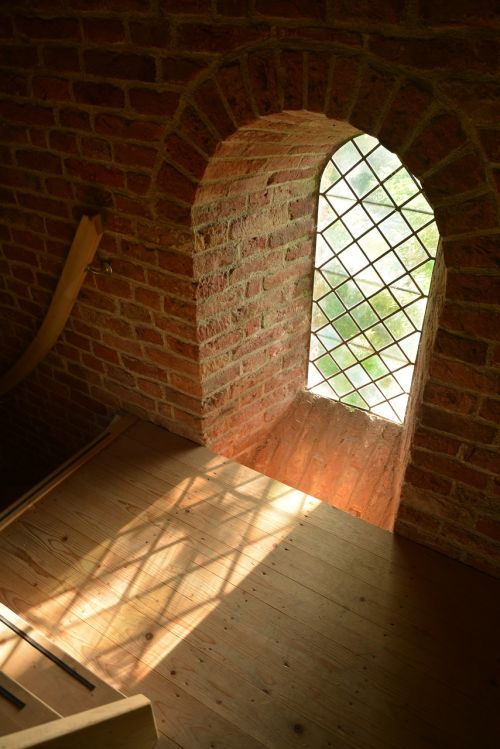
(375, 248)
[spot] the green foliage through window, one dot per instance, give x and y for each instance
(375, 248)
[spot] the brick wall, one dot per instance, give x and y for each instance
(173, 120)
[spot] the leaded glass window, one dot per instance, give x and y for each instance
(375, 248)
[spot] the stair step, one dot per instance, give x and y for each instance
(47, 671)
(19, 708)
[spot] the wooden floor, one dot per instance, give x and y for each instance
(346, 457)
(251, 614)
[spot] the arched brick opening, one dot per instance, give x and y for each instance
(430, 140)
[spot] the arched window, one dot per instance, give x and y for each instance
(375, 248)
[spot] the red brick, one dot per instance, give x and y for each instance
(437, 507)
(292, 69)
(489, 527)
(462, 426)
(201, 37)
(97, 173)
(458, 347)
(105, 353)
(263, 74)
(18, 56)
(374, 90)
(49, 28)
(170, 180)
(462, 174)
(407, 108)
(116, 287)
(180, 70)
(149, 335)
(55, 89)
(40, 161)
(449, 467)
(318, 70)
(490, 410)
(14, 85)
(235, 92)
(210, 103)
(148, 101)
(61, 59)
(466, 287)
(175, 262)
(74, 119)
(475, 252)
(170, 361)
(143, 368)
(135, 312)
(473, 214)
(120, 127)
(185, 155)
(483, 323)
(450, 12)
(451, 53)
(449, 398)
(486, 459)
(43, 205)
(435, 442)
(197, 131)
(390, 11)
(63, 141)
(490, 144)
(154, 33)
(104, 30)
(134, 155)
(121, 65)
(442, 135)
(28, 114)
(99, 94)
(138, 183)
(314, 9)
(465, 376)
(427, 480)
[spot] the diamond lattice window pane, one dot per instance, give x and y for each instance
(399, 325)
(330, 175)
(353, 259)
(373, 244)
(361, 179)
(337, 236)
(326, 213)
(349, 294)
(331, 306)
(361, 347)
(318, 318)
(364, 315)
(376, 244)
(343, 356)
(321, 287)
(340, 197)
(327, 366)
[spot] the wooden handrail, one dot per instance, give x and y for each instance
(81, 254)
(125, 724)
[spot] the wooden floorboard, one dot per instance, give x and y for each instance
(253, 615)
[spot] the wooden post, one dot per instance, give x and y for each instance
(82, 251)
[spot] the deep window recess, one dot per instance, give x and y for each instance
(375, 248)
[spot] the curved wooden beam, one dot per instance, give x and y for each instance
(82, 251)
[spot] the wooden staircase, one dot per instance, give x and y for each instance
(50, 701)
